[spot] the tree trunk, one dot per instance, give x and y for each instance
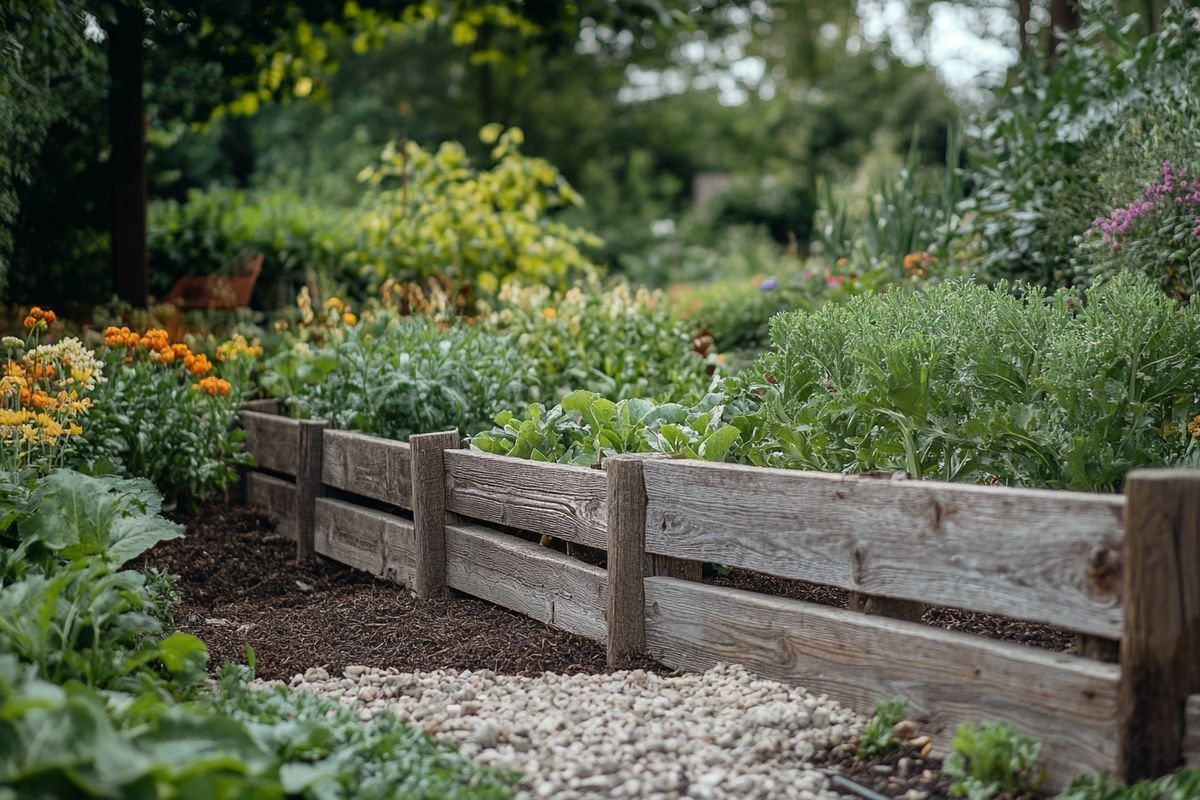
(1064, 17)
(1023, 14)
(127, 135)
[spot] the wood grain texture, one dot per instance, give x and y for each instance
(267, 405)
(562, 501)
(1160, 645)
(626, 565)
(429, 509)
(272, 440)
(535, 581)
(368, 466)
(275, 498)
(946, 677)
(369, 540)
(1030, 554)
(1191, 739)
(308, 484)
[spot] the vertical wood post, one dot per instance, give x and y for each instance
(626, 499)
(308, 484)
(429, 509)
(1160, 645)
(873, 605)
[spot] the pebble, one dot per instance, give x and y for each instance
(715, 735)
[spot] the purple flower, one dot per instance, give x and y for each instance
(769, 285)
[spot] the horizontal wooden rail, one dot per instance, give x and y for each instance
(563, 501)
(946, 677)
(275, 498)
(535, 581)
(1036, 555)
(272, 440)
(372, 541)
(368, 466)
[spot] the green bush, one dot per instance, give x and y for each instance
(216, 228)
(1037, 161)
(964, 382)
(430, 214)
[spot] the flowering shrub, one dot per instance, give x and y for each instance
(44, 396)
(166, 412)
(1158, 234)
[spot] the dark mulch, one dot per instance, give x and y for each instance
(1033, 634)
(240, 585)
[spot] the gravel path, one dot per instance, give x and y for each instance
(718, 734)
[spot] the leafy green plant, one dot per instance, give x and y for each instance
(394, 376)
(585, 427)
(970, 383)
(877, 738)
(619, 342)
(990, 758)
(1183, 785)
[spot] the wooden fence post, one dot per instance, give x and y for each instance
(429, 509)
(626, 499)
(872, 605)
(308, 484)
(1160, 645)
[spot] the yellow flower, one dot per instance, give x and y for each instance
(1194, 427)
(549, 313)
(349, 318)
(334, 302)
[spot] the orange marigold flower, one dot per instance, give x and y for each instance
(1194, 427)
(29, 321)
(197, 364)
(212, 386)
(549, 313)
(156, 340)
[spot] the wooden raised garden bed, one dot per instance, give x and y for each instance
(431, 516)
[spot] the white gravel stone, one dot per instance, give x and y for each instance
(716, 735)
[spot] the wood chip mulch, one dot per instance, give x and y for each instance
(240, 586)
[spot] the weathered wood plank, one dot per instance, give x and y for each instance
(1038, 555)
(368, 466)
(275, 498)
(365, 539)
(1191, 742)
(1160, 646)
(563, 501)
(268, 405)
(946, 677)
(272, 440)
(535, 581)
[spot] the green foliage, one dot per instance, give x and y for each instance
(214, 229)
(1183, 785)
(783, 207)
(1037, 180)
(394, 376)
(617, 342)
(877, 738)
(914, 212)
(990, 758)
(434, 214)
(963, 382)
(585, 427)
